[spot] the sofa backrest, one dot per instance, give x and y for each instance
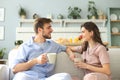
(64, 64)
(114, 54)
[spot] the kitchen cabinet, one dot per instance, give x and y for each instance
(114, 27)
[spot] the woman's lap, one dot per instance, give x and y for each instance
(96, 76)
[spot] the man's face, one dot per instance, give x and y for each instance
(47, 30)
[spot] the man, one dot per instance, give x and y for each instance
(31, 61)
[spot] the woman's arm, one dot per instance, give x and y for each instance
(104, 69)
(103, 57)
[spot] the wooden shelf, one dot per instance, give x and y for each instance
(103, 21)
(78, 44)
(115, 34)
(3, 61)
(115, 20)
(63, 22)
(114, 47)
(32, 21)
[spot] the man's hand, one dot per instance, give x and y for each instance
(71, 56)
(42, 59)
(70, 53)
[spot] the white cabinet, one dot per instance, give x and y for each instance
(65, 28)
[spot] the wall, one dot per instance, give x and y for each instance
(43, 8)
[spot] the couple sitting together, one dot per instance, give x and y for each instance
(31, 62)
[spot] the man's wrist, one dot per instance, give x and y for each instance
(33, 61)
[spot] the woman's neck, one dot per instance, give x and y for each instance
(92, 44)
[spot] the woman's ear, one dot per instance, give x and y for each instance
(92, 33)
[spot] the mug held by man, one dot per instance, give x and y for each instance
(51, 58)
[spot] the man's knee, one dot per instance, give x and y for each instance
(23, 76)
(60, 76)
(67, 76)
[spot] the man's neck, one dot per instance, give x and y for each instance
(39, 39)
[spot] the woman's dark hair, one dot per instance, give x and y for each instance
(18, 42)
(39, 23)
(90, 26)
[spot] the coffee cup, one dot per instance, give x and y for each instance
(51, 58)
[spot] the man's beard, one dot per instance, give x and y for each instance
(46, 36)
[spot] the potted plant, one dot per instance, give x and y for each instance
(92, 10)
(2, 52)
(22, 13)
(18, 42)
(74, 13)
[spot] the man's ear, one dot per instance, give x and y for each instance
(39, 29)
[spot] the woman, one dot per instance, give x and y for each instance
(94, 53)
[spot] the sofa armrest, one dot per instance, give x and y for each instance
(4, 72)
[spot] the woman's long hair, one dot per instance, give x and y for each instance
(90, 26)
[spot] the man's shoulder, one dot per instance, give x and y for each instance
(50, 41)
(27, 43)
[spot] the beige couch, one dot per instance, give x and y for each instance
(63, 64)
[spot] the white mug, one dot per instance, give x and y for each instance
(51, 58)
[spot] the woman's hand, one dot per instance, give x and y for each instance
(80, 64)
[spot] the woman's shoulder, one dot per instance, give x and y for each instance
(100, 47)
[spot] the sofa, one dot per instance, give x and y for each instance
(63, 64)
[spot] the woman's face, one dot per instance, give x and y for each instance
(86, 34)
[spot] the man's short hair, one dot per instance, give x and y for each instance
(39, 23)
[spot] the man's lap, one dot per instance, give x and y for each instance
(58, 76)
